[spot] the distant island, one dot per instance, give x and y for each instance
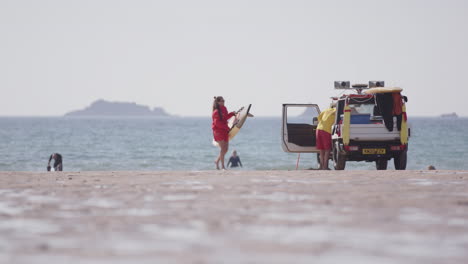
(106, 108)
(451, 115)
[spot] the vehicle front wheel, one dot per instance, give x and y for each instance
(381, 164)
(339, 159)
(400, 160)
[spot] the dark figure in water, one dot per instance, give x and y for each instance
(58, 165)
(234, 160)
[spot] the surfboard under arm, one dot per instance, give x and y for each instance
(235, 123)
(241, 117)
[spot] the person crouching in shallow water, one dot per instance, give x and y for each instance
(323, 136)
(220, 128)
(58, 165)
(234, 160)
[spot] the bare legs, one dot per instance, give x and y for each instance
(324, 157)
(224, 146)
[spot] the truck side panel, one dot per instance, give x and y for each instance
(372, 132)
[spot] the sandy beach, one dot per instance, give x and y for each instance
(234, 217)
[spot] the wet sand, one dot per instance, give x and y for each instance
(234, 217)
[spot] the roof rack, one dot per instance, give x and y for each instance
(359, 86)
(346, 85)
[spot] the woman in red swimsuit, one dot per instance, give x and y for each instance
(220, 128)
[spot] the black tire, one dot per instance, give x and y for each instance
(381, 164)
(400, 160)
(339, 159)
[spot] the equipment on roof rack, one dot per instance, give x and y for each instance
(342, 85)
(374, 84)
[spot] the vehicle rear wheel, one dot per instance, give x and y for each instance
(381, 164)
(339, 159)
(400, 160)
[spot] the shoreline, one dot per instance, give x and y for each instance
(234, 216)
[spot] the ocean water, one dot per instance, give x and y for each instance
(113, 144)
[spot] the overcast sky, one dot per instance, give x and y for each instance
(57, 56)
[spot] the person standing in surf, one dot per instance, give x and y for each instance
(220, 128)
(58, 163)
(234, 160)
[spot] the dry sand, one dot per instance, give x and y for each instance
(234, 217)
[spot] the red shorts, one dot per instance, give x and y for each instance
(221, 135)
(323, 140)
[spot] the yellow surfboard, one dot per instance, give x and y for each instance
(383, 90)
(404, 127)
(236, 123)
(346, 122)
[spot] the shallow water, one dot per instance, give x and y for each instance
(185, 144)
(250, 217)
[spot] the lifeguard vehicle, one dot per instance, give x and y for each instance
(370, 125)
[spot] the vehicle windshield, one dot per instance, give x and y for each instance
(362, 109)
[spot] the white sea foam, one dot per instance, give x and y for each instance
(103, 203)
(278, 197)
(179, 197)
(8, 209)
(21, 225)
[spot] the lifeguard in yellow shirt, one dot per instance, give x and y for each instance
(323, 136)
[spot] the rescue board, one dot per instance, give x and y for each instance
(382, 90)
(235, 123)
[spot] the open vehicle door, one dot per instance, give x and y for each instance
(298, 128)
